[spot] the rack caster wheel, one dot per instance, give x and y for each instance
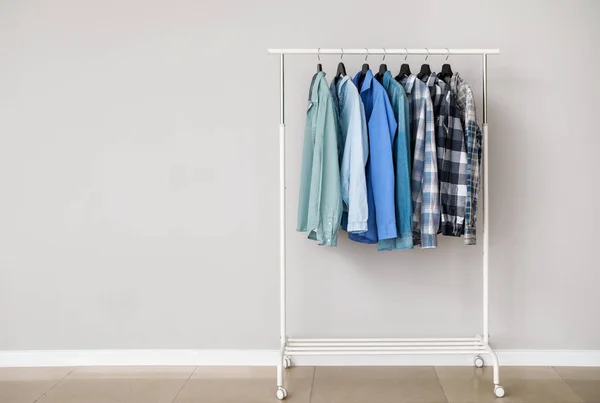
(499, 391)
(287, 362)
(281, 393)
(478, 361)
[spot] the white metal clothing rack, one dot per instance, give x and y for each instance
(477, 346)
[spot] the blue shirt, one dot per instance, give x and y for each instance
(402, 161)
(354, 153)
(381, 126)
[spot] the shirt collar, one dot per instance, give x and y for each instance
(314, 94)
(431, 80)
(340, 84)
(387, 78)
(366, 84)
(409, 83)
(454, 82)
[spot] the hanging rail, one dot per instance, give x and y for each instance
(384, 51)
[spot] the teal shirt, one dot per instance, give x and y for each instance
(320, 203)
(402, 161)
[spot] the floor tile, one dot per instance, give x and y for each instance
(522, 384)
(143, 372)
(123, 384)
(585, 381)
(25, 385)
(245, 385)
(376, 385)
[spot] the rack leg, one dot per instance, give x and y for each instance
(280, 365)
(281, 392)
(498, 389)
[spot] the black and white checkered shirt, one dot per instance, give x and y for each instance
(451, 156)
(452, 166)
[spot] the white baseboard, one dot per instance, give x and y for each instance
(75, 358)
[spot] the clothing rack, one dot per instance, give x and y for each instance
(477, 346)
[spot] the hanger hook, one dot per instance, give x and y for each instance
(319, 54)
(342, 56)
(447, 54)
(366, 54)
(384, 54)
(427, 57)
(405, 54)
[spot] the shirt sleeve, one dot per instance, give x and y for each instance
(430, 201)
(354, 162)
(330, 210)
(382, 128)
(425, 187)
(473, 139)
(404, 202)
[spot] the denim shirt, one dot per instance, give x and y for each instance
(354, 146)
(402, 161)
(320, 202)
(381, 126)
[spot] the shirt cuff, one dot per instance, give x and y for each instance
(404, 241)
(386, 231)
(357, 227)
(470, 236)
(428, 241)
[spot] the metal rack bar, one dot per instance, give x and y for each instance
(383, 340)
(384, 51)
(478, 345)
(383, 343)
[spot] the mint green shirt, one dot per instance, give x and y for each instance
(320, 204)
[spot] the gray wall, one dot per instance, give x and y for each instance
(139, 160)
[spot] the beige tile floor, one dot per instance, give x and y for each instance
(305, 384)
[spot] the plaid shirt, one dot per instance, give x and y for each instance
(451, 157)
(437, 90)
(452, 165)
(424, 178)
(466, 104)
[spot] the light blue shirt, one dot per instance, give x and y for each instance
(381, 126)
(320, 201)
(402, 161)
(354, 142)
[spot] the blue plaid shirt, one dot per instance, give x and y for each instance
(424, 178)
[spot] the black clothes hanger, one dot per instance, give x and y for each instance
(446, 72)
(319, 65)
(363, 71)
(425, 69)
(382, 68)
(404, 69)
(425, 72)
(341, 69)
(446, 69)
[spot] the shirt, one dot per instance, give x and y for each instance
(452, 165)
(401, 158)
(353, 137)
(381, 127)
(320, 201)
(466, 103)
(437, 90)
(424, 185)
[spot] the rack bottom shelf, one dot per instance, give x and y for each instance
(381, 346)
